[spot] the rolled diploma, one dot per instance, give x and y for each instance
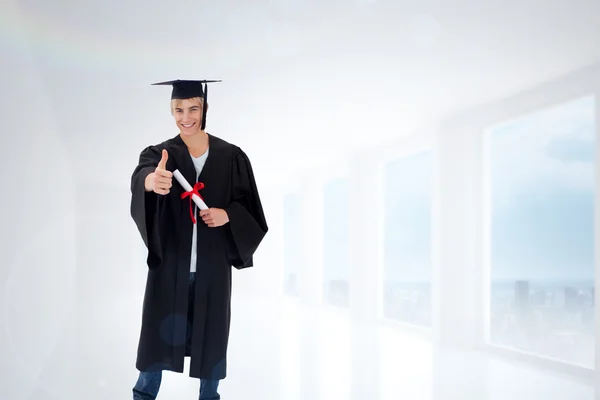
(186, 186)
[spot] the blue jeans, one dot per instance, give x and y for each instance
(148, 383)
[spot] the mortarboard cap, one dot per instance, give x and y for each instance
(186, 89)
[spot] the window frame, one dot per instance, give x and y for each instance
(421, 141)
(335, 173)
(475, 124)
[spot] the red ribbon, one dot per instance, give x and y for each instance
(198, 186)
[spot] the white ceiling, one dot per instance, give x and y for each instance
(302, 80)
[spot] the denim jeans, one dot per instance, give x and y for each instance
(148, 383)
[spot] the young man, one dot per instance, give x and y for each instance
(186, 311)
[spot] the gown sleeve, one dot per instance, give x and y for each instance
(247, 222)
(145, 206)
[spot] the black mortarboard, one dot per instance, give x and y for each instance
(186, 89)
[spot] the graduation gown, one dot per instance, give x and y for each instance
(165, 225)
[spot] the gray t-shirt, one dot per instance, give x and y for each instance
(199, 164)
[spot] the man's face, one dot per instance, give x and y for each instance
(188, 116)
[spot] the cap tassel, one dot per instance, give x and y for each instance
(204, 107)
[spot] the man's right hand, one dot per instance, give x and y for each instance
(160, 181)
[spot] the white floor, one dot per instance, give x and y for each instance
(283, 351)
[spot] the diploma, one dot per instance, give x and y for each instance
(186, 186)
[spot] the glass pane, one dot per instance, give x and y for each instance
(407, 219)
(542, 232)
(336, 274)
(292, 243)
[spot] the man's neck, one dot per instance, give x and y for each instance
(199, 140)
(196, 144)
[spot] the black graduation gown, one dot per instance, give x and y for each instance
(165, 225)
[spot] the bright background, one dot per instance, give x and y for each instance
(428, 169)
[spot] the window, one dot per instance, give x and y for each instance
(407, 243)
(292, 243)
(541, 232)
(336, 271)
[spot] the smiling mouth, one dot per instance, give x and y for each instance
(189, 125)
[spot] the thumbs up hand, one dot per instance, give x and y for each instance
(160, 181)
(162, 164)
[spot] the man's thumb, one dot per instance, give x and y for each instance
(163, 161)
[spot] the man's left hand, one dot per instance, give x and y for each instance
(214, 217)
